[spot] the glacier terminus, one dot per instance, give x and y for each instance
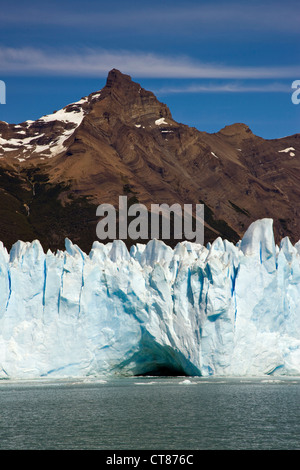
(223, 309)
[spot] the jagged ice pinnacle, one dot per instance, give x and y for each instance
(223, 309)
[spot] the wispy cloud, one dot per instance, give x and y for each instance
(210, 16)
(96, 63)
(273, 87)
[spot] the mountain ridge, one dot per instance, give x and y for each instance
(121, 140)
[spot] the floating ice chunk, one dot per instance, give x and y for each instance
(187, 382)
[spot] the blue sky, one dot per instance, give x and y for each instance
(212, 62)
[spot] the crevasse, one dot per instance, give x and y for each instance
(222, 310)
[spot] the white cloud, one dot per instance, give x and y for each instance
(227, 88)
(230, 16)
(96, 63)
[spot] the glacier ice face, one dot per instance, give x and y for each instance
(223, 309)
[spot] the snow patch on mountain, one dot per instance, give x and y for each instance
(47, 142)
(160, 121)
(289, 150)
(73, 113)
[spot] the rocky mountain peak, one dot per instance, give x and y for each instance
(122, 140)
(115, 78)
(237, 128)
(129, 101)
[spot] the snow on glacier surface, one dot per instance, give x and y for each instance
(223, 309)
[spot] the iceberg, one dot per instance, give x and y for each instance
(221, 309)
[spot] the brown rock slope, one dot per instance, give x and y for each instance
(55, 171)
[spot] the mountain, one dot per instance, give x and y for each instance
(121, 140)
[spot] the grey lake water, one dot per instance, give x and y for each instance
(165, 413)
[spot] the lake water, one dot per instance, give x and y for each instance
(153, 413)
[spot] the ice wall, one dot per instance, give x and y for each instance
(223, 309)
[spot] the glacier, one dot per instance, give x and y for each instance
(223, 309)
